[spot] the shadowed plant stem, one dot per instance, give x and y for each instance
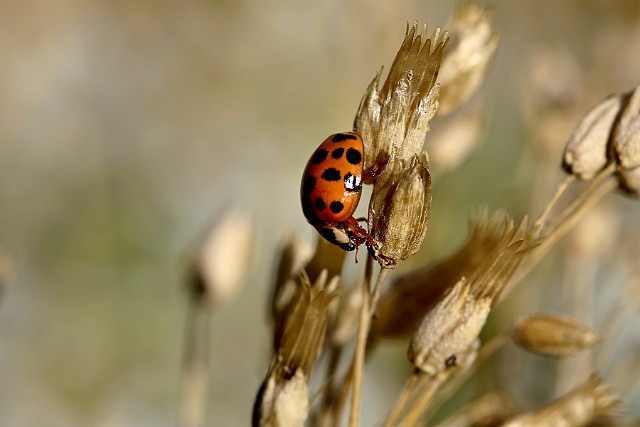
(369, 302)
(195, 364)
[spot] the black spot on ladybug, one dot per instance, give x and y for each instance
(337, 153)
(352, 182)
(319, 156)
(308, 185)
(353, 156)
(336, 207)
(342, 136)
(331, 174)
(319, 204)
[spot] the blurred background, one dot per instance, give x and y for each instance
(126, 126)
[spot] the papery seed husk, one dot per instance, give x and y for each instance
(586, 151)
(224, 257)
(553, 334)
(465, 65)
(404, 214)
(576, 408)
(626, 140)
(449, 330)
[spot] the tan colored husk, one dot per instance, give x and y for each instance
(454, 324)
(285, 401)
(553, 334)
(586, 152)
(411, 295)
(626, 138)
(292, 257)
(448, 330)
(464, 66)
(401, 225)
(223, 258)
(306, 322)
(577, 408)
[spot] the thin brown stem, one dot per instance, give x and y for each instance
(562, 187)
(195, 364)
(425, 393)
(403, 399)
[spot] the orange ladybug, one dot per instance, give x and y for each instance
(331, 188)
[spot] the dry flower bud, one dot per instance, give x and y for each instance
(412, 295)
(626, 138)
(465, 65)
(282, 402)
(577, 408)
(586, 152)
(553, 335)
(630, 181)
(306, 323)
(223, 258)
(401, 224)
(449, 330)
(293, 255)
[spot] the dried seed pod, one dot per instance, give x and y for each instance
(282, 401)
(412, 295)
(223, 258)
(306, 322)
(576, 408)
(401, 224)
(553, 334)
(586, 151)
(449, 330)
(465, 65)
(626, 138)
(290, 261)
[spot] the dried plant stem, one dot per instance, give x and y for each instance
(425, 389)
(566, 219)
(593, 193)
(562, 187)
(195, 364)
(369, 302)
(403, 399)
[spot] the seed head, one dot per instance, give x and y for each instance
(626, 138)
(465, 64)
(586, 152)
(401, 224)
(553, 334)
(223, 258)
(449, 330)
(413, 294)
(282, 402)
(577, 408)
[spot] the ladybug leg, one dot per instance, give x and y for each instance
(358, 234)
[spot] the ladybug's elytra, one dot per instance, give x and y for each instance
(331, 188)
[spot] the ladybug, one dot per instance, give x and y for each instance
(331, 188)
